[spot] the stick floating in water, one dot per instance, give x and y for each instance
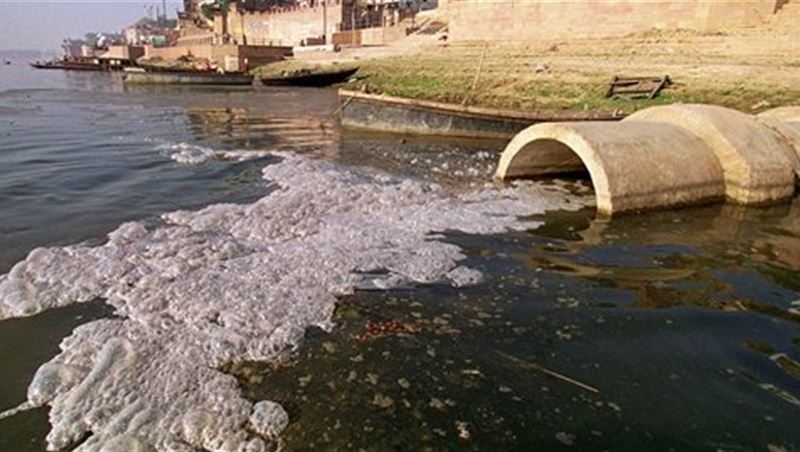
(529, 365)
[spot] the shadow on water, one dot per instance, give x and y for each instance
(685, 322)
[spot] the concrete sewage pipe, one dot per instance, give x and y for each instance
(668, 156)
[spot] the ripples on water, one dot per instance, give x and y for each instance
(686, 322)
(76, 163)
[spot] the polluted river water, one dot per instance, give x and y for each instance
(271, 280)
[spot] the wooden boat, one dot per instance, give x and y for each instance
(149, 67)
(187, 78)
(68, 65)
(309, 78)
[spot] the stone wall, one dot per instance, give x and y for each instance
(377, 36)
(548, 19)
(285, 26)
(123, 52)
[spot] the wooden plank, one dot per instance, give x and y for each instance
(650, 86)
(610, 91)
(660, 87)
(636, 89)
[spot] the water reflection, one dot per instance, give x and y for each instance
(723, 257)
(252, 129)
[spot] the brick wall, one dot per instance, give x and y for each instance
(549, 19)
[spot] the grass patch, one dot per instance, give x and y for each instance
(511, 80)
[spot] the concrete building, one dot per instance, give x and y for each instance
(298, 22)
(73, 48)
(191, 7)
(378, 22)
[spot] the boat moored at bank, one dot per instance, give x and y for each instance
(186, 78)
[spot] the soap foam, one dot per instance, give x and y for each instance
(193, 154)
(231, 283)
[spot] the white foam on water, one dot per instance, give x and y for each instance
(237, 282)
(193, 154)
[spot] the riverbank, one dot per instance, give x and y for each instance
(730, 69)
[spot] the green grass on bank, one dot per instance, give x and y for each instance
(512, 82)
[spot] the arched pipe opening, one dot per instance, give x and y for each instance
(632, 166)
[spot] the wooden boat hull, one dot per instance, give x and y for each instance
(410, 116)
(69, 66)
(311, 80)
(187, 78)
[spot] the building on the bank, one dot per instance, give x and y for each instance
(206, 30)
(378, 22)
(280, 23)
(191, 7)
(298, 22)
(242, 34)
(120, 56)
(158, 32)
(547, 19)
(72, 48)
(91, 45)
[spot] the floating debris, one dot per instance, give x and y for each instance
(382, 401)
(463, 430)
(544, 370)
(387, 328)
(566, 439)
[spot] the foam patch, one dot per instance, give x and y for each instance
(237, 282)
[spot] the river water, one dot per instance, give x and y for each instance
(663, 331)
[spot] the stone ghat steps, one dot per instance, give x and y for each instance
(668, 156)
